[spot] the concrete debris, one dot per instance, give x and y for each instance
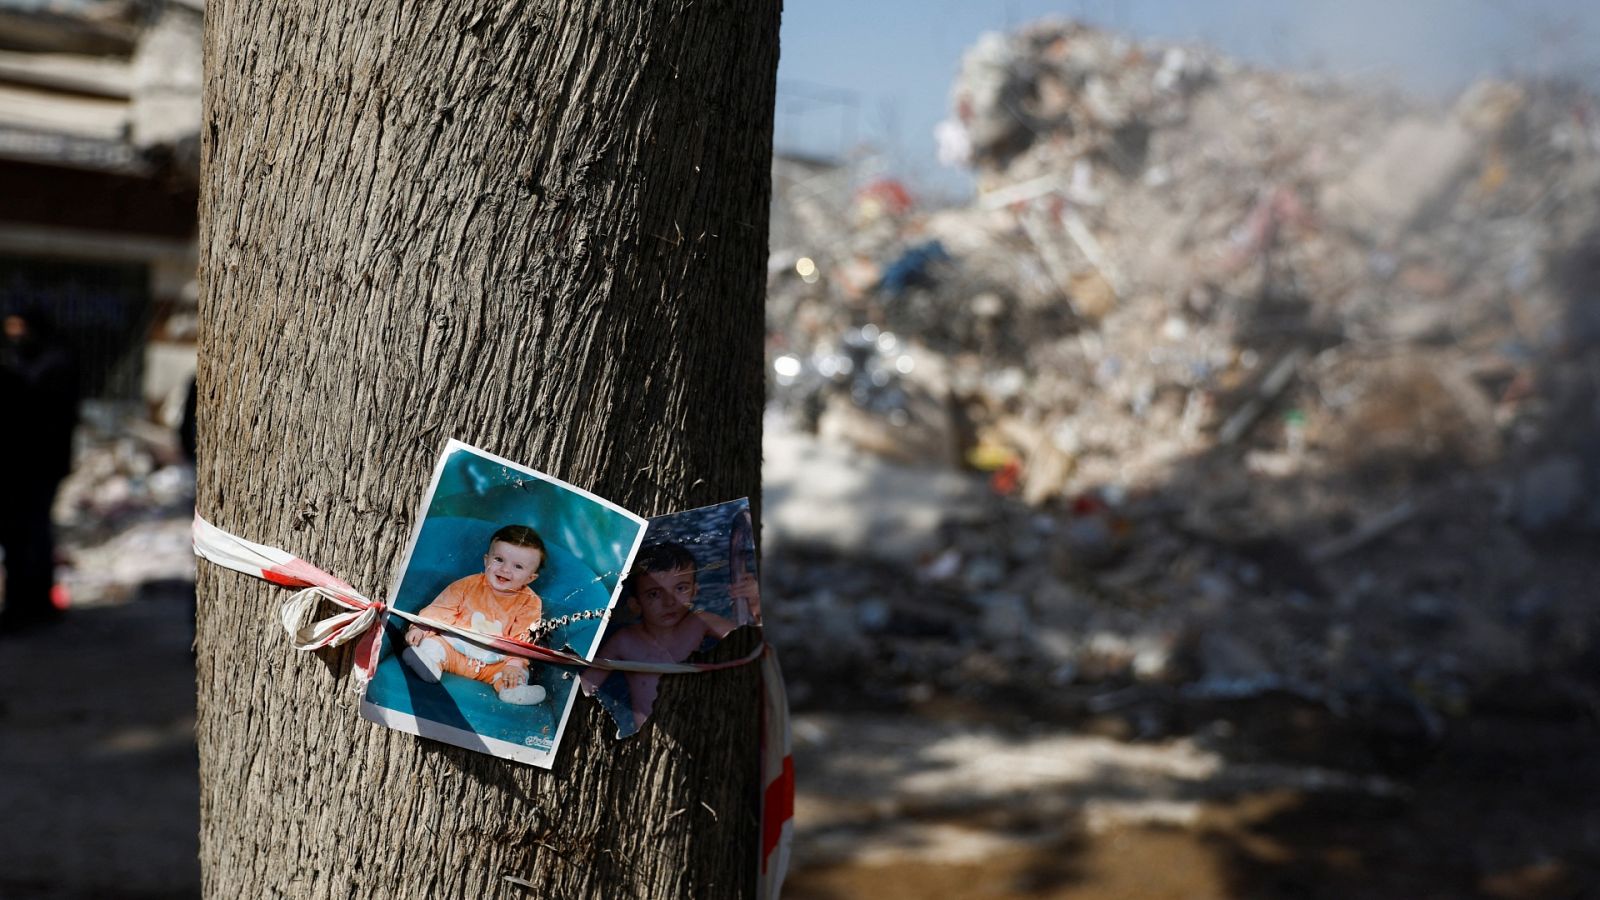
(1275, 384)
(1549, 492)
(1410, 170)
(124, 512)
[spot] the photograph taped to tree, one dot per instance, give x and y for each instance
(692, 583)
(505, 551)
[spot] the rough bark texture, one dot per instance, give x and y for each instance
(540, 228)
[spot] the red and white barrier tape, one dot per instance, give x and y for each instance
(777, 778)
(363, 623)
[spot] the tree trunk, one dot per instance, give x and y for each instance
(540, 228)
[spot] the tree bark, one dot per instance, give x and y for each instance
(537, 227)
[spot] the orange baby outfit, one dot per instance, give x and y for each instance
(471, 603)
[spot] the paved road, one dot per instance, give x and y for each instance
(99, 794)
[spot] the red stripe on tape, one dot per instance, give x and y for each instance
(777, 807)
(283, 580)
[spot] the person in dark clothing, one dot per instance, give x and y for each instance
(39, 403)
(186, 427)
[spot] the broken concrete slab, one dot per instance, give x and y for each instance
(818, 494)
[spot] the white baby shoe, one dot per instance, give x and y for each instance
(423, 663)
(523, 694)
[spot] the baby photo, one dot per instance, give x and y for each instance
(692, 583)
(502, 551)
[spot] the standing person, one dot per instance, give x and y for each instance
(187, 425)
(40, 404)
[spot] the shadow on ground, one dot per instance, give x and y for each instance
(100, 788)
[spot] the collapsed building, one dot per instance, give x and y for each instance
(1289, 382)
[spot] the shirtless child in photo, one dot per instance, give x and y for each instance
(662, 587)
(497, 601)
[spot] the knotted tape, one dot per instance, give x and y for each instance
(363, 613)
(363, 619)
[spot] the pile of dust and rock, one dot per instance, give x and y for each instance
(1228, 384)
(124, 512)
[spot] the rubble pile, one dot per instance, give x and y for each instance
(1288, 382)
(125, 510)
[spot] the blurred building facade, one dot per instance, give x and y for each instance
(99, 171)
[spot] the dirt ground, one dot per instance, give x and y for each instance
(1505, 810)
(97, 752)
(1259, 798)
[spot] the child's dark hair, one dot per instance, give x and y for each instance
(522, 536)
(664, 557)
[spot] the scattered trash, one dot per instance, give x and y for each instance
(1274, 385)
